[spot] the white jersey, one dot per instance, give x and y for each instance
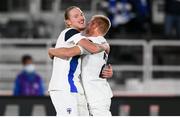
(65, 73)
(96, 88)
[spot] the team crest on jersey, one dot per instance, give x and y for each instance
(69, 110)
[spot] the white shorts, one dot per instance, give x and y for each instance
(82, 105)
(100, 108)
(69, 104)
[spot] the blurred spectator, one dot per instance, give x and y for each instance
(142, 11)
(172, 18)
(127, 15)
(28, 82)
(120, 12)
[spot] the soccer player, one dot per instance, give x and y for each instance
(64, 86)
(97, 89)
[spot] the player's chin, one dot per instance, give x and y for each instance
(82, 27)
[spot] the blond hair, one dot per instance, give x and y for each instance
(66, 13)
(103, 22)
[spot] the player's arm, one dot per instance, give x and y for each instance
(92, 47)
(64, 53)
(85, 46)
(75, 36)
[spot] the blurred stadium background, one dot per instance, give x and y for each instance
(145, 59)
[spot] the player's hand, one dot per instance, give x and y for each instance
(49, 53)
(106, 47)
(107, 72)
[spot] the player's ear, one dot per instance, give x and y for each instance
(94, 25)
(67, 22)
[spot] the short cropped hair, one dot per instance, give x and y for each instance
(103, 22)
(25, 58)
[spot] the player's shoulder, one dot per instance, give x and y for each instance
(97, 39)
(101, 39)
(69, 32)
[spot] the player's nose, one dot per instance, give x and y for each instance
(82, 18)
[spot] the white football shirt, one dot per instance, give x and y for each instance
(96, 88)
(65, 73)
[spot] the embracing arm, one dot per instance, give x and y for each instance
(92, 47)
(83, 44)
(64, 53)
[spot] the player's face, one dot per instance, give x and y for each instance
(76, 19)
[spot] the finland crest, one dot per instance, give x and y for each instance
(69, 110)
